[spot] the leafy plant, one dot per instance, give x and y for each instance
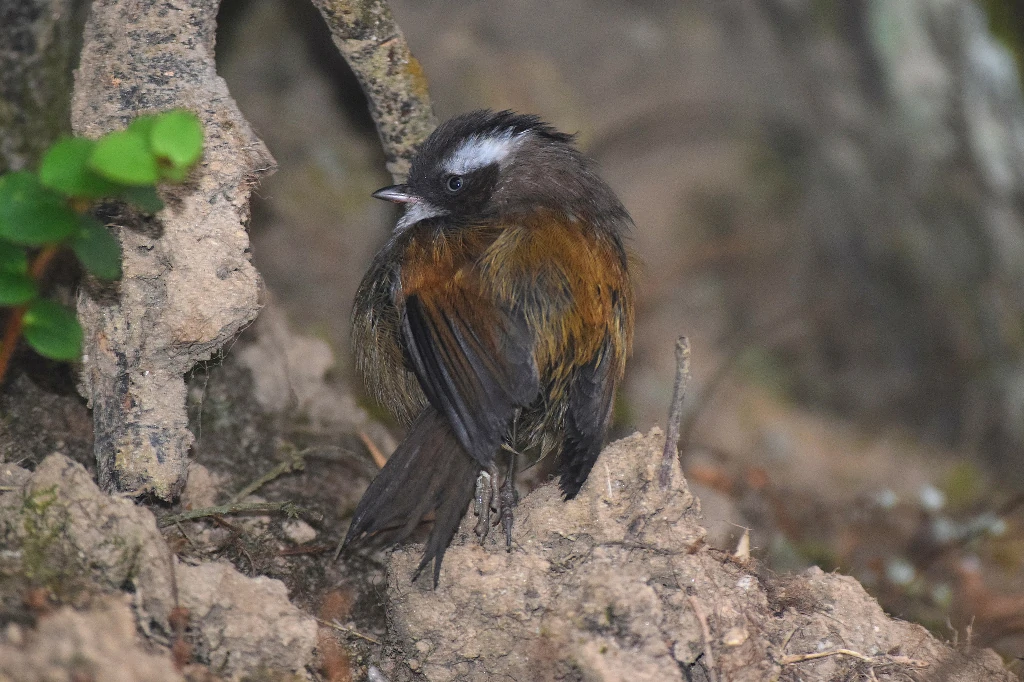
(42, 213)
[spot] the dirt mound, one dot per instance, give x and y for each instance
(618, 584)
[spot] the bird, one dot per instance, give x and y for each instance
(496, 320)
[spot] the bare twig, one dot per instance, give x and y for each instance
(675, 411)
(366, 34)
(348, 631)
(287, 508)
(785, 642)
(181, 530)
(295, 462)
(378, 457)
(790, 659)
(709, 657)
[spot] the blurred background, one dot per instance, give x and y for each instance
(828, 197)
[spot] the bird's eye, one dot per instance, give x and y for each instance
(454, 183)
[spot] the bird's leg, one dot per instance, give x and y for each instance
(484, 499)
(508, 498)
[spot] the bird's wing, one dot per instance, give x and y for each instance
(474, 361)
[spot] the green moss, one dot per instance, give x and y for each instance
(128, 557)
(48, 560)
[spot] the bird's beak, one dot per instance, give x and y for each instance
(398, 194)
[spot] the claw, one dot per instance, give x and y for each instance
(482, 504)
(483, 484)
(508, 498)
(489, 497)
(486, 497)
(507, 501)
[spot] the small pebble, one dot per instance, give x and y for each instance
(298, 531)
(375, 675)
(735, 636)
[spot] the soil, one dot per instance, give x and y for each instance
(619, 583)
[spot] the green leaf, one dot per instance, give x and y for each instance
(97, 249)
(53, 330)
(31, 214)
(65, 169)
(13, 258)
(124, 157)
(144, 198)
(143, 125)
(174, 173)
(16, 288)
(178, 136)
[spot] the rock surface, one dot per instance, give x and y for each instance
(236, 624)
(188, 286)
(99, 643)
(245, 623)
(615, 584)
(618, 584)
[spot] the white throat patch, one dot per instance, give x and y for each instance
(477, 151)
(415, 212)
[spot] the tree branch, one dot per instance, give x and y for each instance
(675, 412)
(367, 36)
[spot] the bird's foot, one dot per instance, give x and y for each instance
(484, 500)
(508, 498)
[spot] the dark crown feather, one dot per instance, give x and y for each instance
(483, 122)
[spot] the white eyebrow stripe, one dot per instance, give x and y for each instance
(477, 152)
(415, 212)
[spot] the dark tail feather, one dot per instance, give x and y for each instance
(586, 421)
(429, 472)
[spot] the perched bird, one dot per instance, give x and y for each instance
(498, 317)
